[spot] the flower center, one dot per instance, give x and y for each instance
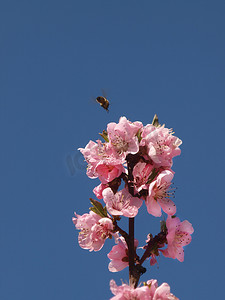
(164, 190)
(120, 145)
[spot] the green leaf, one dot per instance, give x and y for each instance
(153, 175)
(163, 226)
(98, 208)
(139, 135)
(155, 121)
(105, 211)
(104, 135)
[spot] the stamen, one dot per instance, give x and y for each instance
(164, 190)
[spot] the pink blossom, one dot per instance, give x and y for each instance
(161, 292)
(121, 203)
(159, 193)
(101, 231)
(161, 145)
(90, 153)
(151, 291)
(126, 292)
(102, 162)
(93, 230)
(99, 189)
(141, 173)
(122, 136)
(107, 173)
(119, 255)
(178, 236)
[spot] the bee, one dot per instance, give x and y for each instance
(103, 102)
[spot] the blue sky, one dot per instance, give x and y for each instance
(164, 57)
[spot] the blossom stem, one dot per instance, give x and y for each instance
(154, 243)
(131, 255)
(131, 161)
(121, 231)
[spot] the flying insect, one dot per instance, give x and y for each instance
(103, 102)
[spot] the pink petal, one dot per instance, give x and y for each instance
(133, 146)
(153, 207)
(108, 195)
(115, 212)
(165, 176)
(151, 191)
(135, 201)
(185, 239)
(117, 252)
(113, 287)
(180, 254)
(168, 206)
(117, 265)
(97, 245)
(172, 223)
(165, 252)
(111, 127)
(130, 212)
(186, 227)
(162, 292)
(99, 189)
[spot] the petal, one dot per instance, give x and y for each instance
(108, 195)
(185, 239)
(130, 212)
(165, 176)
(117, 265)
(153, 207)
(162, 292)
(113, 211)
(97, 245)
(135, 201)
(111, 127)
(168, 206)
(172, 223)
(186, 227)
(113, 287)
(165, 252)
(117, 252)
(180, 254)
(151, 191)
(133, 146)
(107, 223)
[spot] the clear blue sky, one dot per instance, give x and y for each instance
(162, 56)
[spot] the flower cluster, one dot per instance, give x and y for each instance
(94, 230)
(142, 157)
(150, 291)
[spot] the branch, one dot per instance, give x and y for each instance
(131, 161)
(121, 231)
(153, 245)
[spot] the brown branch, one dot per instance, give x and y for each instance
(121, 231)
(135, 267)
(131, 252)
(131, 161)
(135, 264)
(153, 245)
